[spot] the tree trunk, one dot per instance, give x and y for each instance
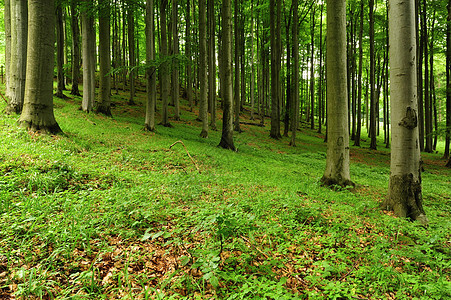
(252, 83)
(320, 81)
(275, 69)
(448, 87)
(337, 162)
(237, 68)
(211, 63)
(75, 49)
(88, 36)
(151, 74)
(295, 94)
(359, 80)
(175, 69)
(203, 59)
(19, 32)
(131, 54)
(164, 68)
(189, 80)
(37, 113)
(427, 100)
(61, 86)
(420, 37)
(8, 69)
(227, 119)
(104, 103)
(312, 72)
(373, 112)
(404, 193)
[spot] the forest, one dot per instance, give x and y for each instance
(201, 149)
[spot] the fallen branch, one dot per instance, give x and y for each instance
(4, 98)
(180, 142)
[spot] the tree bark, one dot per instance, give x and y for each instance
(37, 113)
(404, 192)
(164, 68)
(373, 122)
(175, 70)
(312, 71)
(189, 80)
(151, 74)
(7, 16)
(275, 69)
(75, 49)
(88, 36)
(19, 33)
(448, 86)
(203, 59)
(104, 103)
(227, 119)
(295, 94)
(61, 86)
(211, 63)
(131, 53)
(337, 162)
(236, 99)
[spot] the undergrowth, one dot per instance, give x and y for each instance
(108, 211)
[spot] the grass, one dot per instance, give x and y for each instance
(108, 211)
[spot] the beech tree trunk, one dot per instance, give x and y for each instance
(175, 65)
(151, 74)
(75, 49)
(226, 86)
(37, 113)
(203, 67)
(19, 32)
(104, 103)
(164, 68)
(189, 80)
(237, 68)
(131, 53)
(337, 162)
(373, 121)
(89, 62)
(211, 63)
(448, 86)
(275, 69)
(404, 192)
(295, 94)
(61, 85)
(7, 16)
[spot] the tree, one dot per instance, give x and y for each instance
(373, 122)
(37, 113)
(275, 68)
(18, 55)
(295, 108)
(61, 86)
(211, 63)
(89, 61)
(359, 80)
(226, 86)
(75, 48)
(237, 67)
(203, 67)
(189, 80)
(7, 16)
(164, 69)
(337, 162)
(175, 70)
(131, 52)
(404, 192)
(104, 103)
(448, 86)
(151, 74)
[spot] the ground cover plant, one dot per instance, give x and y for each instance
(109, 211)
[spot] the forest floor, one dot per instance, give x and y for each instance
(109, 211)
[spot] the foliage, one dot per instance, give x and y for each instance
(107, 211)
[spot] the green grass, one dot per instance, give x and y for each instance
(108, 211)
